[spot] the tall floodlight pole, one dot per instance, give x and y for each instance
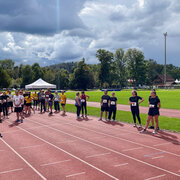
(165, 35)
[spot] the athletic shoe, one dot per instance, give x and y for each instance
(114, 120)
(154, 132)
(0, 135)
(21, 120)
(106, 119)
(151, 127)
(134, 125)
(143, 131)
(158, 128)
(100, 119)
(0, 120)
(140, 126)
(17, 120)
(3, 117)
(50, 113)
(7, 117)
(109, 120)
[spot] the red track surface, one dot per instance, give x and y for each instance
(57, 147)
(164, 112)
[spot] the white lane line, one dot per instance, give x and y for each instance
(161, 144)
(35, 170)
(1, 150)
(100, 170)
(97, 155)
(25, 147)
(132, 149)
(61, 142)
(118, 165)
(77, 174)
(9, 171)
(58, 162)
(115, 137)
(151, 155)
(158, 157)
(101, 146)
(156, 177)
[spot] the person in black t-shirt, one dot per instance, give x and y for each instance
(104, 105)
(5, 104)
(51, 100)
(134, 103)
(154, 106)
(112, 107)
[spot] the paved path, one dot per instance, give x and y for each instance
(164, 112)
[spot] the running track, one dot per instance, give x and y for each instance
(164, 112)
(57, 147)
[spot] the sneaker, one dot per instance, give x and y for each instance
(114, 120)
(106, 119)
(158, 128)
(109, 120)
(151, 127)
(50, 113)
(21, 120)
(134, 125)
(154, 132)
(0, 120)
(3, 117)
(0, 135)
(140, 126)
(17, 120)
(143, 131)
(7, 117)
(100, 119)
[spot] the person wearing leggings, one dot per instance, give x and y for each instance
(42, 100)
(78, 105)
(112, 107)
(5, 105)
(84, 103)
(134, 103)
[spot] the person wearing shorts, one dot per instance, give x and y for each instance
(154, 106)
(104, 105)
(5, 105)
(56, 102)
(18, 106)
(63, 101)
(112, 107)
(84, 103)
(51, 100)
(134, 103)
(10, 101)
(28, 103)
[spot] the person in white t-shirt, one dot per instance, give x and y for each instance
(17, 99)
(10, 101)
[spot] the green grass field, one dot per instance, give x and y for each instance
(172, 124)
(169, 98)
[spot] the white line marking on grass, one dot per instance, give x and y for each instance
(161, 144)
(9, 171)
(97, 155)
(158, 157)
(132, 149)
(77, 174)
(25, 147)
(118, 165)
(150, 147)
(98, 145)
(36, 171)
(75, 157)
(58, 162)
(156, 177)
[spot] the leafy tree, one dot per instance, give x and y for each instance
(49, 76)
(37, 71)
(120, 67)
(27, 76)
(105, 58)
(136, 66)
(62, 79)
(82, 78)
(5, 79)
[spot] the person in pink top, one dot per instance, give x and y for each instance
(83, 103)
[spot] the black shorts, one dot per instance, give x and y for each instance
(104, 108)
(63, 104)
(153, 112)
(28, 104)
(10, 104)
(50, 103)
(1, 109)
(18, 109)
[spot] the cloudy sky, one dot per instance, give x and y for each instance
(55, 31)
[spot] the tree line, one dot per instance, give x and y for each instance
(112, 70)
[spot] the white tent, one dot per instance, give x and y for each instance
(40, 84)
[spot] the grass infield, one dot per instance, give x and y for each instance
(170, 99)
(172, 124)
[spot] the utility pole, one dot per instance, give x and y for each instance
(165, 35)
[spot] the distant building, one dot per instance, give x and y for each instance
(159, 80)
